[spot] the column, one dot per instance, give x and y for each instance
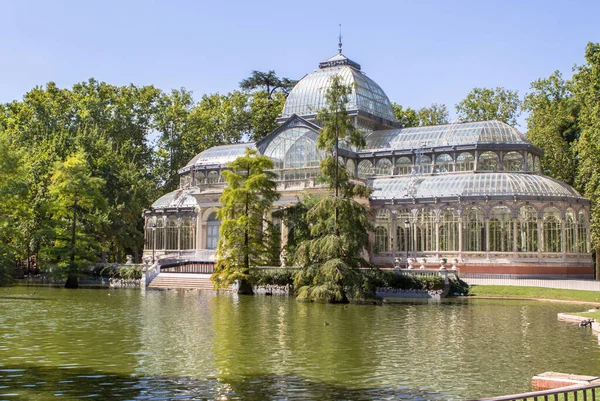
(460, 237)
(487, 237)
(284, 232)
(540, 228)
(563, 224)
(515, 232)
(437, 236)
(179, 235)
(394, 236)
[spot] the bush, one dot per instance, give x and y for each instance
(123, 272)
(458, 287)
(264, 277)
(392, 279)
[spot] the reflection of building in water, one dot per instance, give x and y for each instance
(467, 191)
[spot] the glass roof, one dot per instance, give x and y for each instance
(293, 148)
(454, 185)
(221, 154)
(308, 96)
(444, 135)
(179, 198)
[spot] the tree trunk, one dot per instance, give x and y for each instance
(72, 281)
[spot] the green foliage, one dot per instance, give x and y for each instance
(553, 126)
(433, 115)
(459, 287)
(267, 81)
(329, 256)
(245, 203)
(483, 104)
(391, 279)
(264, 277)
(77, 209)
(114, 271)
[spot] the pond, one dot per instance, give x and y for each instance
(165, 345)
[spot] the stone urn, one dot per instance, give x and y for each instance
(454, 263)
(397, 263)
(411, 263)
(423, 261)
(443, 263)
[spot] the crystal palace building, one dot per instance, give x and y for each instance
(471, 193)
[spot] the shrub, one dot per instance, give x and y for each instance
(392, 279)
(263, 277)
(458, 287)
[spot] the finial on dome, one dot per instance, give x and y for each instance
(340, 41)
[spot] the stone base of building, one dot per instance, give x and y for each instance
(549, 270)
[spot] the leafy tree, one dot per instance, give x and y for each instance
(483, 104)
(433, 115)
(586, 88)
(245, 202)
(552, 125)
(264, 110)
(76, 203)
(267, 81)
(329, 258)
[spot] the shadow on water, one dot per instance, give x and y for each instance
(69, 382)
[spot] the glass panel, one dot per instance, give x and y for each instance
(527, 231)
(350, 166)
(552, 230)
(403, 166)
(473, 230)
(365, 168)
(465, 162)
(444, 163)
(501, 230)
(172, 234)
(570, 231)
(294, 148)
(448, 230)
(530, 162)
(383, 167)
(381, 240)
(582, 231)
(425, 231)
(212, 177)
(160, 233)
(212, 231)
(488, 161)
(403, 234)
(513, 161)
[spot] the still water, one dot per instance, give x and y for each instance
(165, 345)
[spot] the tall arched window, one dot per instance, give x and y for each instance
(212, 231)
(444, 163)
(350, 166)
(473, 230)
(425, 231)
(512, 161)
(527, 231)
(403, 166)
(582, 231)
(188, 233)
(448, 230)
(465, 162)
(403, 234)
(501, 231)
(381, 240)
(365, 168)
(212, 177)
(552, 230)
(425, 164)
(570, 231)
(172, 233)
(160, 233)
(488, 161)
(383, 167)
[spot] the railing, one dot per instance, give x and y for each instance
(149, 273)
(530, 281)
(189, 267)
(571, 393)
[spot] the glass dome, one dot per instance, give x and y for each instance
(294, 148)
(176, 199)
(220, 154)
(482, 132)
(308, 96)
(485, 184)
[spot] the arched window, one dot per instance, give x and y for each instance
(501, 231)
(552, 230)
(425, 164)
(381, 240)
(403, 234)
(383, 167)
(383, 214)
(172, 234)
(512, 161)
(570, 231)
(527, 232)
(212, 231)
(365, 168)
(403, 166)
(350, 166)
(160, 233)
(295, 148)
(151, 233)
(465, 162)
(473, 230)
(200, 177)
(488, 161)
(530, 162)
(537, 166)
(425, 231)
(444, 163)
(448, 230)
(582, 231)
(212, 177)
(188, 233)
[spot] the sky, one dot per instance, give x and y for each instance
(419, 52)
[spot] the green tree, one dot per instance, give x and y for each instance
(267, 81)
(245, 203)
(76, 207)
(483, 104)
(586, 88)
(330, 258)
(435, 114)
(264, 111)
(552, 125)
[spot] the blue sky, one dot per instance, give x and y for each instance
(420, 52)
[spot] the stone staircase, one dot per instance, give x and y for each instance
(182, 280)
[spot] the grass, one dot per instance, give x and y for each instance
(589, 315)
(506, 291)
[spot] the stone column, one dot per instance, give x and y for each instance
(394, 218)
(460, 237)
(487, 237)
(284, 232)
(540, 228)
(563, 242)
(515, 232)
(198, 242)
(179, 235)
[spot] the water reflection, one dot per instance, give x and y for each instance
(199, 345)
